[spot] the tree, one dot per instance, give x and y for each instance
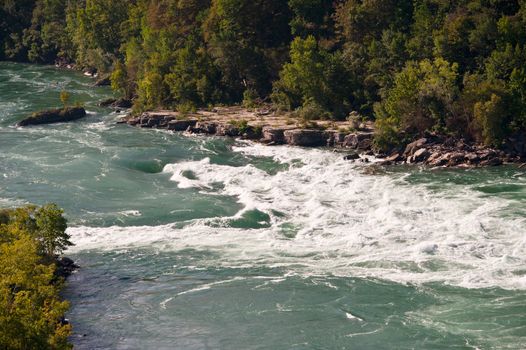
(30, 306)
(313, 76)
(421, 99)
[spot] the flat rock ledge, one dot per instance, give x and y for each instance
(263, 127)
(356, 144)
(62, 115)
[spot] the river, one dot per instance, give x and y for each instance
(211, 243)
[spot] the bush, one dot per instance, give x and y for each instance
(421, 99)
(250, 98)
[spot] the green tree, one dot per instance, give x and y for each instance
(313, 76)
(421, 99)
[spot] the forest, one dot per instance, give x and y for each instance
(414, 66)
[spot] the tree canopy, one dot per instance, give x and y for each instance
(409, 64)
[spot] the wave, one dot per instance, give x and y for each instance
(329, 216)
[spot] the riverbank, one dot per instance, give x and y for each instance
(356, 138)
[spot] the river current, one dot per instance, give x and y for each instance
(211, 243)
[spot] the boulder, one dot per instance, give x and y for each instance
(414, 146)
(252, 133)
(273, 135)
(227, 130)
(122, 103)
(352, 156)
(420, 155)
(181, 125)
(104, 81)
(472, 158)
(65, 267)
(203, 128)
(455, 158)
(491, 162)
(437, 159)
(395, 157)
(360, 140)
(54, 116)
(107, 102)
(305, 137)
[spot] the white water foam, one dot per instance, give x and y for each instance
(345, 223)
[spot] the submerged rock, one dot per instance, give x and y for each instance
(54, 116)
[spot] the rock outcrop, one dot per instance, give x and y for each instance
(63, 115)
(432, 150)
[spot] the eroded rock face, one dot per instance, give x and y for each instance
(360, 140)
(63, 115)
(227, 130)
(305, 137)
(203, 128)
(273, 135)
(181, 125)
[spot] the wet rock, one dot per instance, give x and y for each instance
(414, 146)
(273, 135)
(65, 267)
(252, 133)
(455, 158)
(227, 130)
(352, 156)
(122, 103)
(420, 155)
(104, 81)
(305, 137)
(437, 159)
(472, 158)
(491, 162)
(107, 102)
(181, 125)
(54, 116)
(336, 139)
(395, 157)
(203, 128)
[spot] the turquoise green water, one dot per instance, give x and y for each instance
(209, 243)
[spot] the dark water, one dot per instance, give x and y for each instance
(208, 243)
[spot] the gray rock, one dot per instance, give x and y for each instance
(359, 140)
(273, 135)
(227, 130)
(352, 156)
(414, 146)
(420, 155)
(181, 125)
(305, 137)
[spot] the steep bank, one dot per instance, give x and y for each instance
(273, 128)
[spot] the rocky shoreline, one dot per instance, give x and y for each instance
(356, 139)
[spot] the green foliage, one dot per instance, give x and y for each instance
(30, 306)
(421, 99)
(250, 98)
(489, 116)
(407, 63)
(312, 77)
(240, 124)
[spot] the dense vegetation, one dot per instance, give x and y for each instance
(452, 67)
(30, 307)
